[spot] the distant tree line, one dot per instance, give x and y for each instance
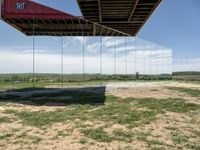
(186, 73)
(15, 78)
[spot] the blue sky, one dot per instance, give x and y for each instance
(175, 24)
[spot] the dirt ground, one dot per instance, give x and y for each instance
(171, 130)
(158, 90)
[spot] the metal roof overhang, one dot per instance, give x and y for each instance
(101, 18)
(127, 16)
(37, 19)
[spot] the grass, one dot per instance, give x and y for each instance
(154, 90)
(193, 146)
(64, 133)
(21, 138)
(40, 118)
(121, 135)
(35, 139)
(189, 91)
(158, 148)
(3, 103)
(118, 111)
(43, 118)
(179, 138)
(10, 111)
(83, 141)
(23, 135)
(129, 112)
(100, 135)
(122, 114)
(154, 142)
(5, 136)
(172, 128)
(142, 136)
(172, 105)
(197, 133)
(97, 134)
(114, 110)
(4, 119)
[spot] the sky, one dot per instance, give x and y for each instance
(174, 25)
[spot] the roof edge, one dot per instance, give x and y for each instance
(147, 18)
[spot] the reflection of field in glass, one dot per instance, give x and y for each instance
(12, 81)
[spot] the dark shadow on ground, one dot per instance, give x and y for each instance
(55, 97)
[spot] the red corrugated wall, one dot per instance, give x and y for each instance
(39, 11)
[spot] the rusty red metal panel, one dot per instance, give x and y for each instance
(26, 9)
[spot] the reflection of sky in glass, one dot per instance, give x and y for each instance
(142, 56)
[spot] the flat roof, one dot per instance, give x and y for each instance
(127, 16)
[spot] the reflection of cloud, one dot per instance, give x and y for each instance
(74, 46)
(78, 38)
(48, 59)
(21, 62)
(93, 48)
(36, 50)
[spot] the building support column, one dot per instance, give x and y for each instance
(62, 65)
(101, 60)
(83, 60)
(135, 57)
(33, 52)
(126, 55)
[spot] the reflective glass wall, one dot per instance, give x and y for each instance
(116, 55)
(50, 61)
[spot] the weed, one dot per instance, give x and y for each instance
(43, 118)
(98, 134)
(171, 128)
(2, 103)
(142, 136)
(158, 148)
(122, 135)
(5, 136)
(154, 142)
(4, 119)
(197, 133)
(35, 139)
(10, 111)
(172, 105)
(62, 134)
(189, 91)
(83, 141)
(121, 113)
(153, 90)
(179, 138)
(22, 135)
(193, 146)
